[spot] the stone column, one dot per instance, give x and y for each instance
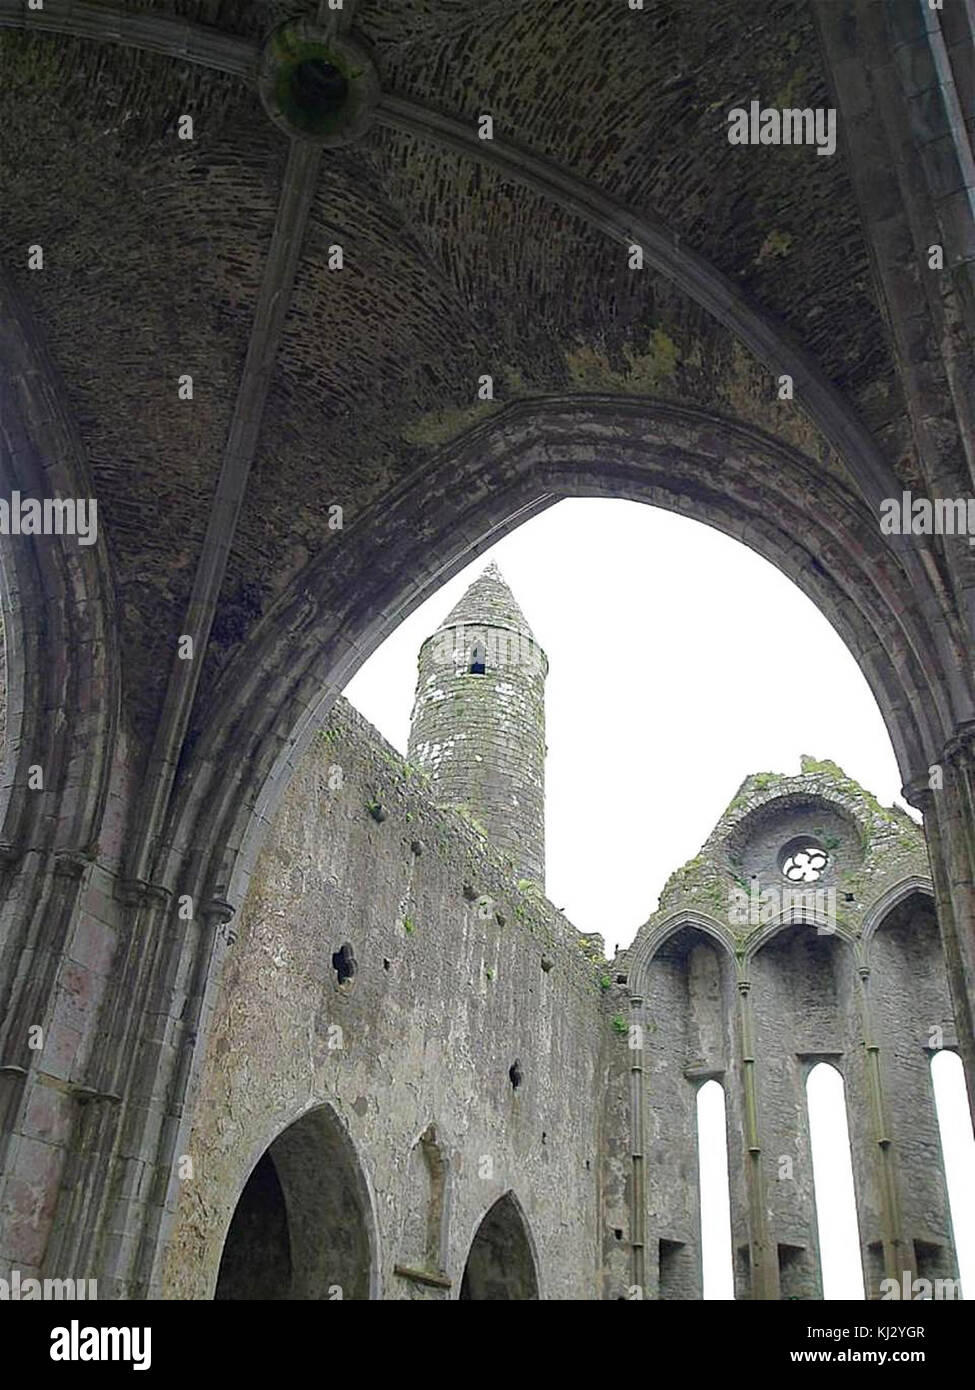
(638, 1194)
(764, 1256)
(898, 1253)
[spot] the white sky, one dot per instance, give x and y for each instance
(679, 662)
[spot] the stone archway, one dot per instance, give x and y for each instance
(272, 698)
(301, 1228)
(61, 696)
(500, 1263)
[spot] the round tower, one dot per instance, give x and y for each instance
(478, 724)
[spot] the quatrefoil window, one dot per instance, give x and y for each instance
(803, 861)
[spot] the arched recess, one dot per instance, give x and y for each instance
(501, 1262)
(911, 1010)
(690, 1030)
(303, 1225)
(804, 1006)
(424, 1237)
(649, 941)
(819, 922)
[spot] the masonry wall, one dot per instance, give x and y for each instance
(616, 1168)
(458, 976)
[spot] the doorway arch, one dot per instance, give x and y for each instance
(302, 1227)
(501, 1262)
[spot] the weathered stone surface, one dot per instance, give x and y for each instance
(478, 728)
(469, 1082)
(317, 387)
(442, 1004)
(748, 987)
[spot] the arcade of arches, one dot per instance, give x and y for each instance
(313, 351)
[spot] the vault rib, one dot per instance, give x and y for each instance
(297, 193)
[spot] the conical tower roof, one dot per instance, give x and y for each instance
(490, 602)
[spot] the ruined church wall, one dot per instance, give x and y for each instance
(458, 975)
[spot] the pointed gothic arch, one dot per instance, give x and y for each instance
(837, 1221)
(302, 1227)
(687, 976)
(802, 1001)
(327, 623)
(913, 1019)
(501, 1262)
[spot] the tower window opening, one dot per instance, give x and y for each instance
(476, 667)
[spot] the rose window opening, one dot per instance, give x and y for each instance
(804, 863)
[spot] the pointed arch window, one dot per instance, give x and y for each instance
(840, 1262)
(712, 1155)
(478, 655)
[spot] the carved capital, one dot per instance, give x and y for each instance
(137, 892)
(219, 910)
(918, 793)
(960, 748)
(70, 865)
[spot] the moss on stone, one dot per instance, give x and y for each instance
(440, 426)
(646, 373)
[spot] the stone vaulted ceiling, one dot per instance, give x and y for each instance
(156, 250)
